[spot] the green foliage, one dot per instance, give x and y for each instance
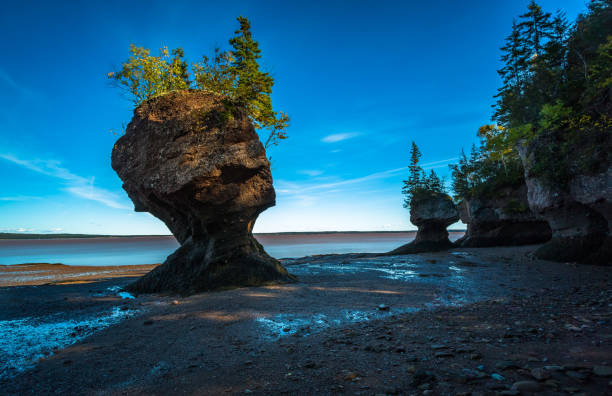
(515, 207)
(235, 74)
(144, 76)
(557, 87)
(420, 186)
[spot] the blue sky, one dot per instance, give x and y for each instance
(360, 80)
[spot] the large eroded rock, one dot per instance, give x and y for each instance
(432, 215)
(580, 215)
(502, 219)
(198, 165)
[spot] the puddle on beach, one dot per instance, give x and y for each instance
(454, 287)
(25, 341)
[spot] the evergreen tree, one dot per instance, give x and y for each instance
(513, 73)
(252, 87)
(415, 175)
(536, 27)
(459, 174)
(419, 185)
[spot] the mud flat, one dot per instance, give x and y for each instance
(487, 321)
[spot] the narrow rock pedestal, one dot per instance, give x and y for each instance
(432, 215)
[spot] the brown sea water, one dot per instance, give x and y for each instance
(154, 249)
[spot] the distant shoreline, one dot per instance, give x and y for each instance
(90, 236)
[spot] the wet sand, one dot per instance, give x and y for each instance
(467, 320)
(42, 273)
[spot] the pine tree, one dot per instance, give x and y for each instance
(459, 173)
(536, 28)
(252, 87)
(415, 175)
(513, 74)
(433, 183)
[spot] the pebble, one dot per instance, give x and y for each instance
(383, 307)
(575, 375)
(175, 302)
(540, 374)
(526, 386)
(506, 364)
(497, 377)
(602, 371)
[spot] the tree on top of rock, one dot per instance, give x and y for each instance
(419, 185)
(235, 74)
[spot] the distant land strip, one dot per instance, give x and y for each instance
(7, 235)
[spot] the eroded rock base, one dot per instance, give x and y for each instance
(506, 234)
(199, 266)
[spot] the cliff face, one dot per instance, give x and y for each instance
(579, 214)
(199, 167)
(432, 215)
(503, 219)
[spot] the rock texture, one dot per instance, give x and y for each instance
(503, 219)
(432, 215)
(198, 165)
(580, 215)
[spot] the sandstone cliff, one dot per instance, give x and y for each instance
(578, 212)
(501, 219)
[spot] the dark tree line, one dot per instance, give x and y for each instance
(556, 82)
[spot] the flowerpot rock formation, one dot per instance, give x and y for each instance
(432, 215)
(580, 213)
(196, 162)
(501, 219)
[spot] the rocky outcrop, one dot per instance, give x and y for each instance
(432, 215)
(501, 219)
(197, 164)
(579, 213)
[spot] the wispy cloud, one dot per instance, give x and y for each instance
(338, 137)
(295, 188)
(76, 185)
(18, 198)
(30, 230)
(9, 82)
(310, 172)
(438, 164)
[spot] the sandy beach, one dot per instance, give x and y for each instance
(467, 320)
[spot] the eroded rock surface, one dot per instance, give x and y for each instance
(198, 165)
(579, 214)
(503, 219)
(432, 215)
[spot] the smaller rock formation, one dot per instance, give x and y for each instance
(580, 213)
(432, 215)
(501, 219)
(196, 163)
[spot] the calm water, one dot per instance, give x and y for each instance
(150, 250)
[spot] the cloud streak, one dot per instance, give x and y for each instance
(8, 81)
(76, 185)
(301, 189)
(338, 137)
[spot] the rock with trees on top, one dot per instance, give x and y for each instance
(431, 209)
(192, 157)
